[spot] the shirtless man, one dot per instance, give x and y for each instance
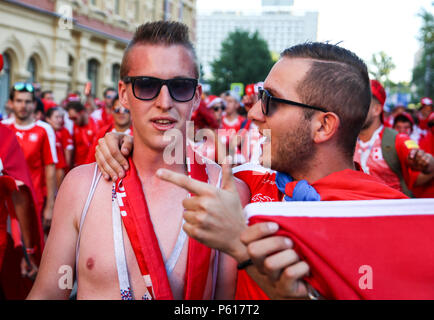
(159, 50)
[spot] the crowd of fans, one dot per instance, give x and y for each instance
(56, 136)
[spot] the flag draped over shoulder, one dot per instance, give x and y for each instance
(13, 165)
(366, 249)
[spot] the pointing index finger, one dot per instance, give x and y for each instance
(194, 186)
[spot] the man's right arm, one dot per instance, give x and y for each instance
(56, 271)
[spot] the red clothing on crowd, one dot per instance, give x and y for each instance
(13, 167)
(101, 133)
(38, 142)
(101, 117)
(233, 124)
(342, 185)
(83, 137)
(370, 156)
(64, 142)
(203, 117)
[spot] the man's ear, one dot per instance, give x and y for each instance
(197, 97)
(123, 97)
(325, 126)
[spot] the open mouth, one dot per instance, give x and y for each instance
(163, 124)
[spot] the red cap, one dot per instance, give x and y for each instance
(212, 100)
(1, 62)
(406, 115)
(426, 101)
(378, 91)
(48, 104)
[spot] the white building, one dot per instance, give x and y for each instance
(275, 24)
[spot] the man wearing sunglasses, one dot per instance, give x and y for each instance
(313, 104)
(121, 124)
(134, 246)
(38, 141)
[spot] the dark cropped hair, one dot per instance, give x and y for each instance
(75, 105)
(50, 112)
(160, 33)
(13, 90)
(338, 81)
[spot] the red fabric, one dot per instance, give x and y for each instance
(101, 117)
(343, 185)
(203, 117)
(83, 139)
(101, 133)
(13, 164)
(377, 167)
(235, 125)
(141, 233)
(35, 143)
(378, 91)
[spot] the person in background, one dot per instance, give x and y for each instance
(102, 115)
(64, 142)
(424, 112)
(38, 141)
(397, 165)
(84, 131)
(121, 124)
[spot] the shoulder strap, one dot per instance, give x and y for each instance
(391, 157)
(95, 180)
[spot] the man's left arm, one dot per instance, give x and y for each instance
(50, 181)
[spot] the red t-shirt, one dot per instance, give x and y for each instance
(342, 185)
(38, 142)
(83, 140)
(64, 142)
(101, 117)
(370, 156)
(101, 133)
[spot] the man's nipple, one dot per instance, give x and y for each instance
(90, 263)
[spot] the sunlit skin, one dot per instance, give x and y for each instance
(147, 62)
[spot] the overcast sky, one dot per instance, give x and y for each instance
(363, 26)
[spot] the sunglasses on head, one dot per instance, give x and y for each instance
(24, 86)
(264, 96)
(148, 88)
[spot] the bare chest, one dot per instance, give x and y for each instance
(97, 271)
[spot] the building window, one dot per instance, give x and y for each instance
(71, 73)
(5, 82)
(116, 69)
(92, 75)
(32, 69)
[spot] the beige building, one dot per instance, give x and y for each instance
(63, 44)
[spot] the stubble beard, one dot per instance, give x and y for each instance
(295, 151)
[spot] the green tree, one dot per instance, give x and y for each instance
(381, 66)
(243, 58)
(423, 72)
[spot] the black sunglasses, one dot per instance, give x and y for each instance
(264, 96)
(148, 88)
(217, 108)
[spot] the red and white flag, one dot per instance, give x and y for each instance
(366, 249)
